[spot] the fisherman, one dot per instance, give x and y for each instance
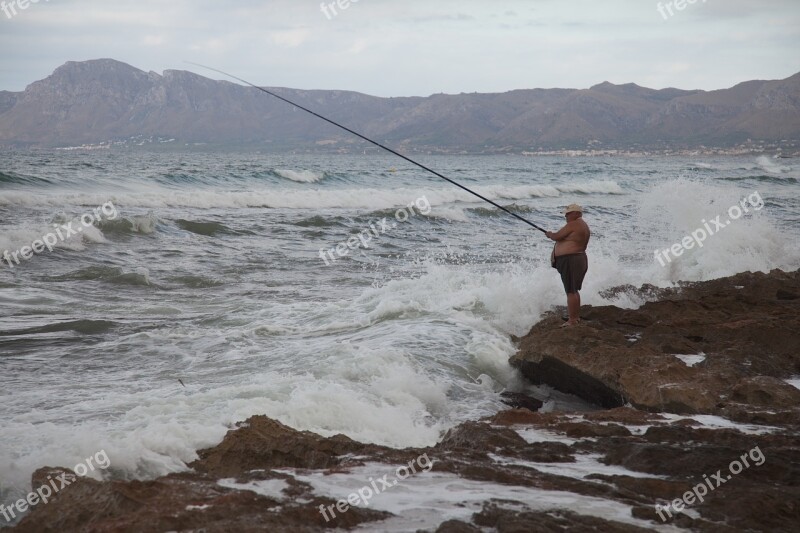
(569, 258)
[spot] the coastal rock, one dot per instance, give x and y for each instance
(265, 443)
(766, 391)
(237, 485)
(521, 401)
(702, 348)
(533, 472)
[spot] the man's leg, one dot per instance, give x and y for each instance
(573, 307)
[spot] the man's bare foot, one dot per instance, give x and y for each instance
(569, 323)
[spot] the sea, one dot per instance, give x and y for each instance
(172, 294)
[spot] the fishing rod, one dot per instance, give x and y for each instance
(379, 145)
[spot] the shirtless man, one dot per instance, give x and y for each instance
(570, 258)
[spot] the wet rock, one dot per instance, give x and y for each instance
(522, 416)
(786, 295)
(625, 416)
(480, 436)
(766, 391)
(518, 400)
(262, 443)
(585, 429)
(742, 339)
(505, 520)
(457, 526)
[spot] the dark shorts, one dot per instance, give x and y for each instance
(572, 268)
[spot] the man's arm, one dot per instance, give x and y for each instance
(561, 234)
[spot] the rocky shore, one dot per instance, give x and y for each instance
(701, 416)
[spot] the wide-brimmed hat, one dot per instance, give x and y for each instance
(573, 208)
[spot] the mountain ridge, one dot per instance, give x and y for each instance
(105, 100)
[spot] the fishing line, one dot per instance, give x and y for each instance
(379, 145)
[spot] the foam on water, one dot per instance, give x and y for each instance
(718, 422)
(394, 348)
(302, 176)
(772, 166)
(371, 396)
(317, 198)
(25, 234)
(673, 210)
(271, 488)
(426, 499)
(585, 465)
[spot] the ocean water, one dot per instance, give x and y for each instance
(199, 297)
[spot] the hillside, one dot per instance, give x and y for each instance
(106, 100)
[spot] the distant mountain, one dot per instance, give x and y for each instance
(106, 100)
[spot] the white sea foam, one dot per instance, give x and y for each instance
(361, 198)
(691, 360)
(718, 422)
(674, 209)
(771, 166)
(585, 464)
(371, 396)
(425, 500)
(534, 434)
(271, 488)
(302, 176)
(15, 238)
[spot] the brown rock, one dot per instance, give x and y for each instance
(517, 400)
(624, 415)
(480, 436)
(520, 416)
(766, 391)
(581, 430)
(744, 334)
(513, 521)
(262, 443)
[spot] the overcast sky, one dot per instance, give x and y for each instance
(414, 47)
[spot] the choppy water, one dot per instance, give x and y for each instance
(210, 273)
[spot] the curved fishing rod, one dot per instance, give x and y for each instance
(379, 145)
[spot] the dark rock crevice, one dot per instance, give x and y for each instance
(565, 378)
